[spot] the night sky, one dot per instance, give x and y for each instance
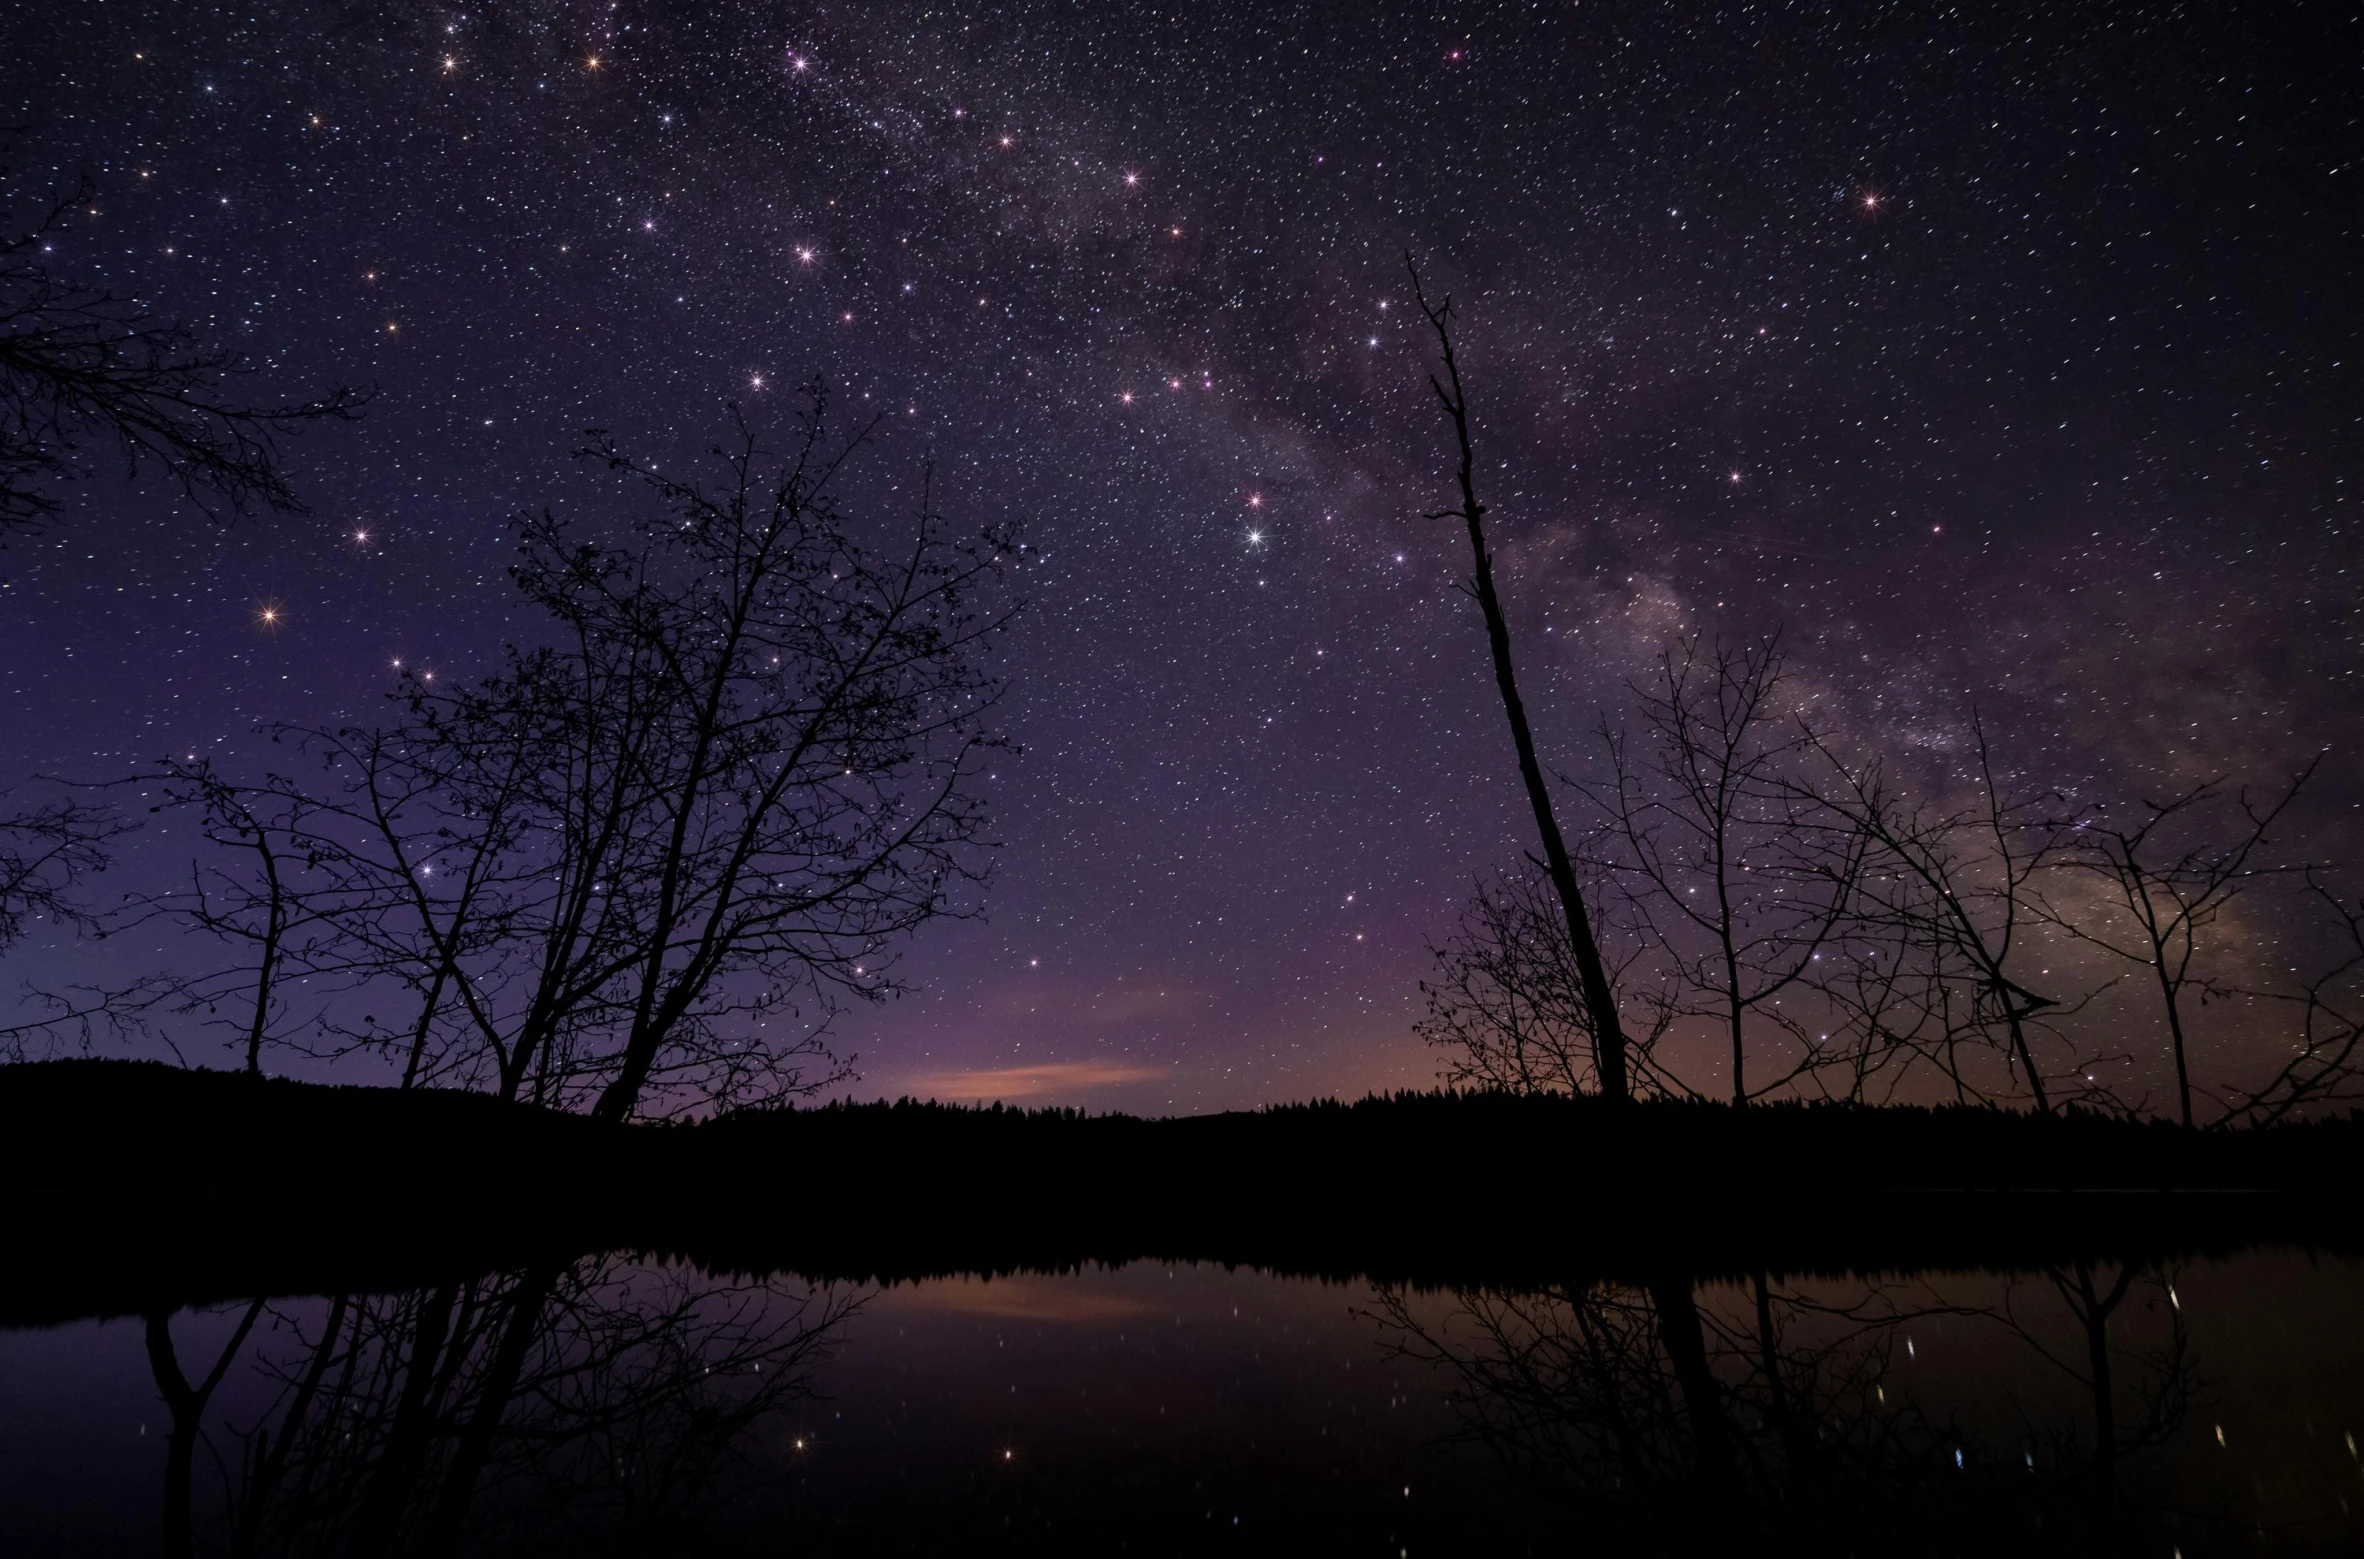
(2006, 358)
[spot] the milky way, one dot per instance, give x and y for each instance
(2006, 359)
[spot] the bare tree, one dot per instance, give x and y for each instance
(1746, 876)
(2172, 896)
(646, 859)
(1608, 1034)
(1957, 887)
(252, 891)
(47, 852)
(81, 369)
(1506, 1003)
(2326, 1063)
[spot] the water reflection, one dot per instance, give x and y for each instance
(616, 1405)
(1769, 1414)
(600, 1397)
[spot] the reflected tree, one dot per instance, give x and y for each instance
(585, 1404)
(1673, 1417)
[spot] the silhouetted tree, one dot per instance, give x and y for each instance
(1506, 1002)
(47, 852)
(1744, 876)
(251, 893)
(2325, 1063)
(83, 370)
(2172, 893)
(1607, 1032)
(1954, 886)
(652, 853)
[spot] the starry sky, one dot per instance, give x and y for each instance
(2004, 357)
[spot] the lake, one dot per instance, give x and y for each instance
(615, 1405)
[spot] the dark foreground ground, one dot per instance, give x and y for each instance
(135, 1187)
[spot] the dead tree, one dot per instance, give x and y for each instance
(2172, 896)
(1600, 1001)
(83, 370)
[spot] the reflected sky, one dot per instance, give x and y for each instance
(1195, 1408)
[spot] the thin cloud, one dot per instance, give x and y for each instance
(1029, 1082)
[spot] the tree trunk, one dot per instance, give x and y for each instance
(1600, 1002)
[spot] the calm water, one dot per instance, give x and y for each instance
(617, 1407)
